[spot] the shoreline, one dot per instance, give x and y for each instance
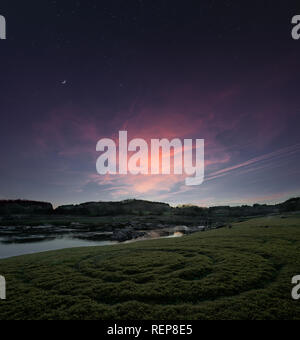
(76, 244)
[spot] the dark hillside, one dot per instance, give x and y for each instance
(128, 207)
(8, 207)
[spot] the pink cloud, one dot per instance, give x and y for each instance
(72, 134)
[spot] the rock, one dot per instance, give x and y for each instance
(90, 236)
(126, 234)
(182, 229)
(219, 226)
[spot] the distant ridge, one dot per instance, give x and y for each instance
(22, 202)
(142, 208)
(24, 207)
(127, 207)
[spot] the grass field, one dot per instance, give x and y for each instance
(239, 273)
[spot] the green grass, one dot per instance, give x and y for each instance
(239, 273)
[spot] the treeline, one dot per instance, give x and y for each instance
(128, 207)
(8, 207)
(291, 205)
(227, 211)
(144, 208)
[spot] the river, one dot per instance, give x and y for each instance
(15, 249)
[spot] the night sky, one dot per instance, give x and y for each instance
(73, 72)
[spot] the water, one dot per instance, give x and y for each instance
(16, 249)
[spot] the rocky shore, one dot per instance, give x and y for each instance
(24, 221)
(119, 233)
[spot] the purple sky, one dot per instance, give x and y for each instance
(77, 73)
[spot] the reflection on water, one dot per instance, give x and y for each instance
(16, 249)
(178, 234)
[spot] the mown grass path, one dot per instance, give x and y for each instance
(239, 273)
